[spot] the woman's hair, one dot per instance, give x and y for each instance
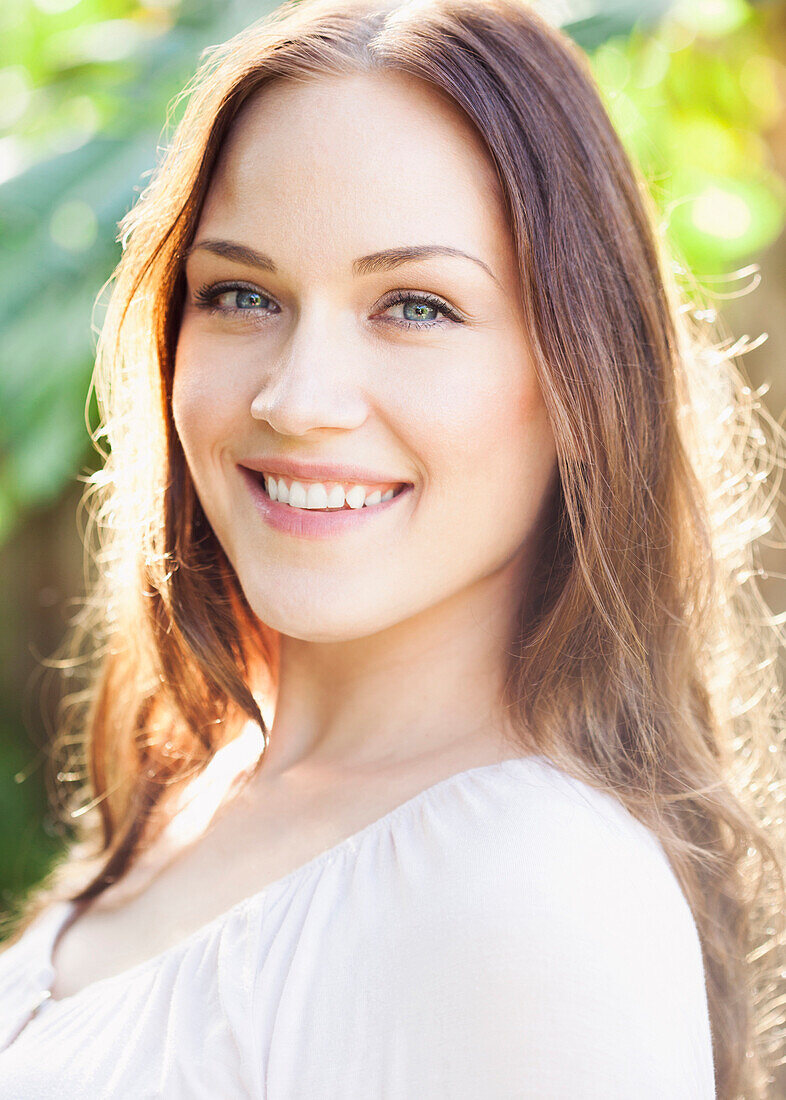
(645, 657)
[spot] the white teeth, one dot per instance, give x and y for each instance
(297, 495)
(315, 494)
(316, 497)
(356, 496)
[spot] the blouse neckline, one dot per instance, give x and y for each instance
(61, 918)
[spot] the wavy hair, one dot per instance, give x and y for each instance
(645, 657)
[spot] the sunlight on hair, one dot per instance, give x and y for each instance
(195, 808)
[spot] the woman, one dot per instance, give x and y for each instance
(408, 471)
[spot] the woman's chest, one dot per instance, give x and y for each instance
(175, 892)
(223, 868)
(267, 832)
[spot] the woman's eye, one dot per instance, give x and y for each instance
(238, 299)
(418, 310)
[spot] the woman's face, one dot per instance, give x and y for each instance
(308, 356)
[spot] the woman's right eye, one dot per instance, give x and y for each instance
(243, 299)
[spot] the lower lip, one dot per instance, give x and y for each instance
(308, 523)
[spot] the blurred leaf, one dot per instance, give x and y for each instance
(596, 21)
(691, 102)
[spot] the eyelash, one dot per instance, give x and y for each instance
(206, 296)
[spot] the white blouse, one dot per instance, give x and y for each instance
(508, 932)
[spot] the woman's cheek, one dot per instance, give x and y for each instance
(202, 400)
(186, 407)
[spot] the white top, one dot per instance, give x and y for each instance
(508, 932)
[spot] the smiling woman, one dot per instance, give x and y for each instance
(420, 538)
(324, 358)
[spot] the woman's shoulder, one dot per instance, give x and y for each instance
(533, 855)
(532, 816)
(563, 838)
(555, 879)
(542, 924)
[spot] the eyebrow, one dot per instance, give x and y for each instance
(385, 260)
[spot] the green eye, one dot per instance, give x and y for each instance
(422, 301)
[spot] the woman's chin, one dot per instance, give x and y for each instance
(322, 620)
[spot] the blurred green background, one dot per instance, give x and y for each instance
(697, 89)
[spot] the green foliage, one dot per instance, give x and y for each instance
(694, 104)
(25, 855)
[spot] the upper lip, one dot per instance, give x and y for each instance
(321, 471)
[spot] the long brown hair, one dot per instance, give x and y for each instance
(645, 659)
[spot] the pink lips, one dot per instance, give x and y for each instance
(308, 523)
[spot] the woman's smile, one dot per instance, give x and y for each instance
(305, 520)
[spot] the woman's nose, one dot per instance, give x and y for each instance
(315, 384)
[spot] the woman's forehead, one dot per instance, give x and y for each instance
(388, 156)
(351, 133)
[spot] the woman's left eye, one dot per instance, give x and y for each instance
(430, 302)
(248, 299)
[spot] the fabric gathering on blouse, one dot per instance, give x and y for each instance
(509, 932)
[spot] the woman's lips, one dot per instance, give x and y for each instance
(309, 522)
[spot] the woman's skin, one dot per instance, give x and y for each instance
(393, 635)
